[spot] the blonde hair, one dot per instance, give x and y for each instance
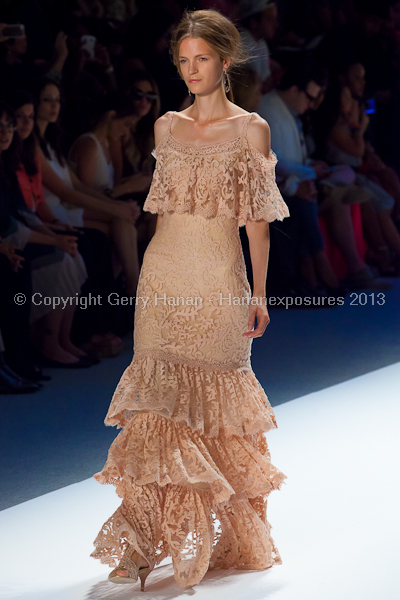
(217, 31)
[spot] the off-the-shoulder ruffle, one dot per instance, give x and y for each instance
(226, 179)
(211, 401)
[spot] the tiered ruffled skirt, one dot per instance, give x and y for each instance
(191, 463)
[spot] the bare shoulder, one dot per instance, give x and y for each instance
(259, 134)
(83, 145)
(161, 127)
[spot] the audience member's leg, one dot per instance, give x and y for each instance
(389, 231)
(99, 317)
(313, 241)
(283, 273)
(340, 227)
(15, 318)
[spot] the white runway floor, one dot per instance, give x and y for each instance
(335, 521)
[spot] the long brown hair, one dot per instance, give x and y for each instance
(141, 143)
(217, 31)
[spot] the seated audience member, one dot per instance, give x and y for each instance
(259, 19)
(20, 72)
(11, 382)
(76, 203)
(90, 160)
(58, 271)
(90, 156)
(148, 39)
(299, 89)
(345, 143)
(373, 166)
(133, 158)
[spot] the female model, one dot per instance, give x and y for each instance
(192, 464)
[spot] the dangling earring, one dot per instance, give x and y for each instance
(227, 85)
(189, 92)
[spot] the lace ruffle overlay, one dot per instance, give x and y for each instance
(232, 179)
(193, 468)
(197, 498)
(207, 400)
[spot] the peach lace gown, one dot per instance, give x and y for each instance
(191, 463)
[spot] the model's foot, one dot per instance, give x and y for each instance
(138, 559)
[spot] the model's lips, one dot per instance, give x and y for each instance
(194, 80)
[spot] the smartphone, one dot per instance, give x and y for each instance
(370, 106)
(13, 31)
(88, 43)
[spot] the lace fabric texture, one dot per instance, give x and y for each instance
(191, 462)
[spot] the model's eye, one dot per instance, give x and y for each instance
(203, 58)
(182, 60)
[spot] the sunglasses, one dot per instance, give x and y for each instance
(7, 127)
(151, 96)
(311, 98)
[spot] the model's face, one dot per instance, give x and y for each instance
(25, 120)
(6, 132)
(144, 95)
(201, 67)
(49, 104)
(304, 100)
(356, 80)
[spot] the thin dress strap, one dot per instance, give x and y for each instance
(244, 131)
(165, 136)
(171, 115)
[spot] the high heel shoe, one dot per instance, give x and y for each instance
(134, 572)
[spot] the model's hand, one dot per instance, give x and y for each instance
(257, 310)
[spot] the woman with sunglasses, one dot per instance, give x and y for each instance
(90, 156)
(131, 154)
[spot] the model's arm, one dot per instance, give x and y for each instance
(258, 233)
